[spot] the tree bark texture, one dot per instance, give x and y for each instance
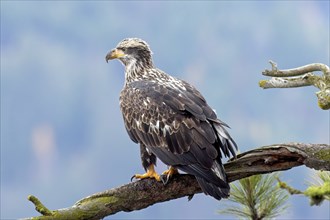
(143, 193)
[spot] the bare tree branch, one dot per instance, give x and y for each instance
(301, 76)
(143, 193)
(296, 71)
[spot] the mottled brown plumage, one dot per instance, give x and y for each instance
(171, 120)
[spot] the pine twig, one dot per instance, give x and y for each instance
(288, 188)
(317, 193)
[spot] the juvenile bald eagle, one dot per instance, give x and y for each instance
(171, 120)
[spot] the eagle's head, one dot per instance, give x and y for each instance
(133, 53)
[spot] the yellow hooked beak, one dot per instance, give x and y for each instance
(114, 54)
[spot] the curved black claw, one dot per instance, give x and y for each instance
(132, 178)
(190, 197)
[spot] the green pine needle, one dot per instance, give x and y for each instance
(319, 189)
(257, 197)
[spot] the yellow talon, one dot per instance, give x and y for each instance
(151, 173)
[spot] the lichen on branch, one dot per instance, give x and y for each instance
(301, 76)
(317, 192)
(143, 193)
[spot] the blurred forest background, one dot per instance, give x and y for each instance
(62, 135)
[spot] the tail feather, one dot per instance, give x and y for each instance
(212, 181)
(212, 189)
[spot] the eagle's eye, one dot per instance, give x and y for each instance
(124, 49)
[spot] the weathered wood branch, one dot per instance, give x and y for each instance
(143, 193)
(301, 76)
(296, 71)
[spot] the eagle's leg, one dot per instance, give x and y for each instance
(166, 175)
(148, 163)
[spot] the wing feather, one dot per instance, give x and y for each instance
(201, 156)
(178, 126)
